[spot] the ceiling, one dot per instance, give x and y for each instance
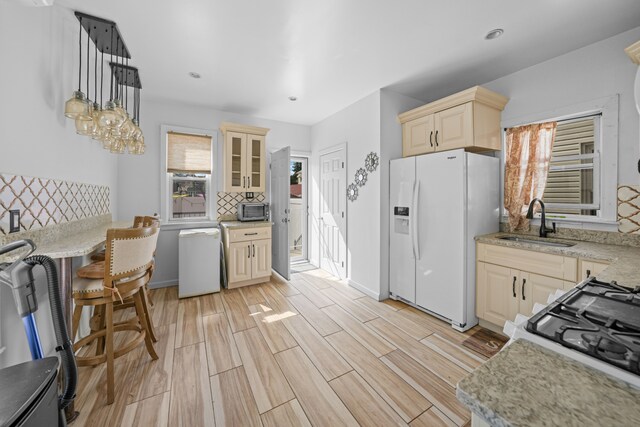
(254, 54)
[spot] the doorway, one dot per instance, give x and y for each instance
(333, 205)
(299, 210)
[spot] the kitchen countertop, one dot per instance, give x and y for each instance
(528, 385)
(623, 267)
(70, 244)
(247, 224)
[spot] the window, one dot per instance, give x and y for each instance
(573, 182)
(189, 172)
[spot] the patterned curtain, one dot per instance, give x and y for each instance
(526, 168)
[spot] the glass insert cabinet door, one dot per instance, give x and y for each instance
(255, 163)
(236, 179)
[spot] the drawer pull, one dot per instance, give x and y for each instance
(513, 286)
(523, 282)
(250, 234)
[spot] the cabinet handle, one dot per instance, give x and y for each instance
(248, 182)
(431, 138)
(513, 286)
(248, 251)
(523, 282)
(436, 138)
(588, 274)
(254, 250)
(250, 234)
(244, 180)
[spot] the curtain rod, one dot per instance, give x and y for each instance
(571, 119)
(189, 134)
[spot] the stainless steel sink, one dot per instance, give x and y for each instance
(537, 242)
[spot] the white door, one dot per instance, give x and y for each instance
(403, 229)
(333, 221)
(280, 210)
(440, 274)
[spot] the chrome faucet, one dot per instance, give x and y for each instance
(543, 220)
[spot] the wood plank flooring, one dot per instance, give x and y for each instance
(309, 352)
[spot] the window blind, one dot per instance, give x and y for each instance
(188, 153)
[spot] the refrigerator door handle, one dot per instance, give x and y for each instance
(414, 220)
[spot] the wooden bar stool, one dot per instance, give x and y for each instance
(127, 269)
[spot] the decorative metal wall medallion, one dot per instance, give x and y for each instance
(361, 177)
(371, 162)
(352, 192)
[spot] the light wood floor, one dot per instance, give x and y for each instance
(311, 351)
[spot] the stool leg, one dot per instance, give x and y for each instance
(99, 310)
(150, 328)
(149, 297)
(109, 343)
(77, 313)
(143, 323)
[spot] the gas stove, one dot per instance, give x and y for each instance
(596, 323)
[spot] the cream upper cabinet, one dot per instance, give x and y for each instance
(468, 119)
(454, 127)
(244, 156)
(417, 136)
(590, 268)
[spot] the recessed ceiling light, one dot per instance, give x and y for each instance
(293, 98)
(494, 34)
(194, 75)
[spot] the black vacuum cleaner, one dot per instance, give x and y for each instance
(29, 390)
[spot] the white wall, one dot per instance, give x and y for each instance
(359, 126)
(38, 74)
(139, 176)
(596, 71)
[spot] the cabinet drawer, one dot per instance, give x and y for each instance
(557, 266)
(247, 234)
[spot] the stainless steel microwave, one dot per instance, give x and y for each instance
(253, 211)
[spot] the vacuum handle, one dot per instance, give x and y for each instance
(17, 245)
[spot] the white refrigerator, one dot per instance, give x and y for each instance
(439, 203)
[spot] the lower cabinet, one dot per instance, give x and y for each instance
(503, 292)
(590, 268)
(248, 256)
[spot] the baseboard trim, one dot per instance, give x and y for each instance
(163, 284)
(368, 292)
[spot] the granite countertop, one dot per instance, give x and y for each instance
(528, 385)
(246, 224)
(72, 242)
(623, 267)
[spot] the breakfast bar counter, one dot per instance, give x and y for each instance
(528, 385)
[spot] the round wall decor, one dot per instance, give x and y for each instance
(371, 162)
(361, 177)
(352, 192)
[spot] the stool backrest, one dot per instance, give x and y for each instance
(129, 251)
(145, 221)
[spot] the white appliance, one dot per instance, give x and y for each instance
(199, 262)
(439, 203)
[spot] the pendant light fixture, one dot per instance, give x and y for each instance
(109, 123)
(77, 103)
(84, 121)
(108, 117)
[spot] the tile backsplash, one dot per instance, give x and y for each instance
(44, 201)
(228, 203)
(629, 209)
